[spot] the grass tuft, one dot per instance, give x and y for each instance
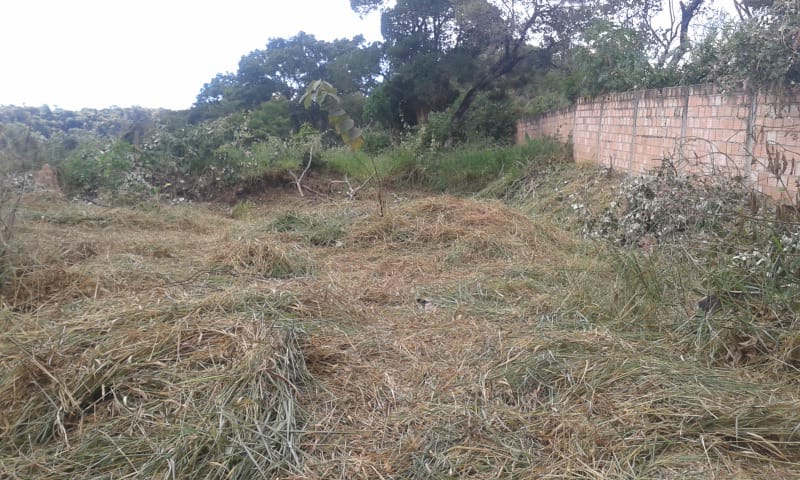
(260, 258)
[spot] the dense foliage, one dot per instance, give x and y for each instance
(447, 72)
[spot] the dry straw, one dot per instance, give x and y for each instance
(449, 338)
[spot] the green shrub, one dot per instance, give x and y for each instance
(376, 141)
(271, 119)
(492, 120)
(21, 148)
(92, 171)
(434, 134)
(493, 117)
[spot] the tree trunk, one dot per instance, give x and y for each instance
(457, 119)
(688, 12)
(422, 114)
(500, 68)
(511, 55)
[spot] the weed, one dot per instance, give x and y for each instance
(473, 168)
(242, 210)
(8, 216)
(375, 170)
(317, 231)
(291, 222)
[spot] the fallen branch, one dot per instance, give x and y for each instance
(351, 191)
(315, 192)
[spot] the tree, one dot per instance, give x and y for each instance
(761, 51)
(747, 9)
(673, 40)
(284, 67)
(216, 90)
(431, 49)
(533, 30)
(497, 37)
(21, 148)
(419, 35)
(272, 118)
(612, 59)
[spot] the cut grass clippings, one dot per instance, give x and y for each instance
(451, 337)
(211, 397)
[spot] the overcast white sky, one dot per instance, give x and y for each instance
(151, 53)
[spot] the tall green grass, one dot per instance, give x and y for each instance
(472, 168)
(360, 166)
(467, 168)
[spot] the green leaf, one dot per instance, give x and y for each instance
(324, 94)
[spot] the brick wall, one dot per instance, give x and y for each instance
(704, 131)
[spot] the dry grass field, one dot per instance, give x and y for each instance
(315, 339)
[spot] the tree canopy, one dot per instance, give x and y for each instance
(285, 67)
(446, 55)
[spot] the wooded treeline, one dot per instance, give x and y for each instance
(447, 71)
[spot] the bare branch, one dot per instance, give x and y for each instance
(299, 180)
(352, 192)
(742, 9)
(688, 12)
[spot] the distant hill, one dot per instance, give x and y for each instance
(32, 136)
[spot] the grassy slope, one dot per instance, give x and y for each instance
(451, 338)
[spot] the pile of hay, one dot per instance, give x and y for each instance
(125, 352)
